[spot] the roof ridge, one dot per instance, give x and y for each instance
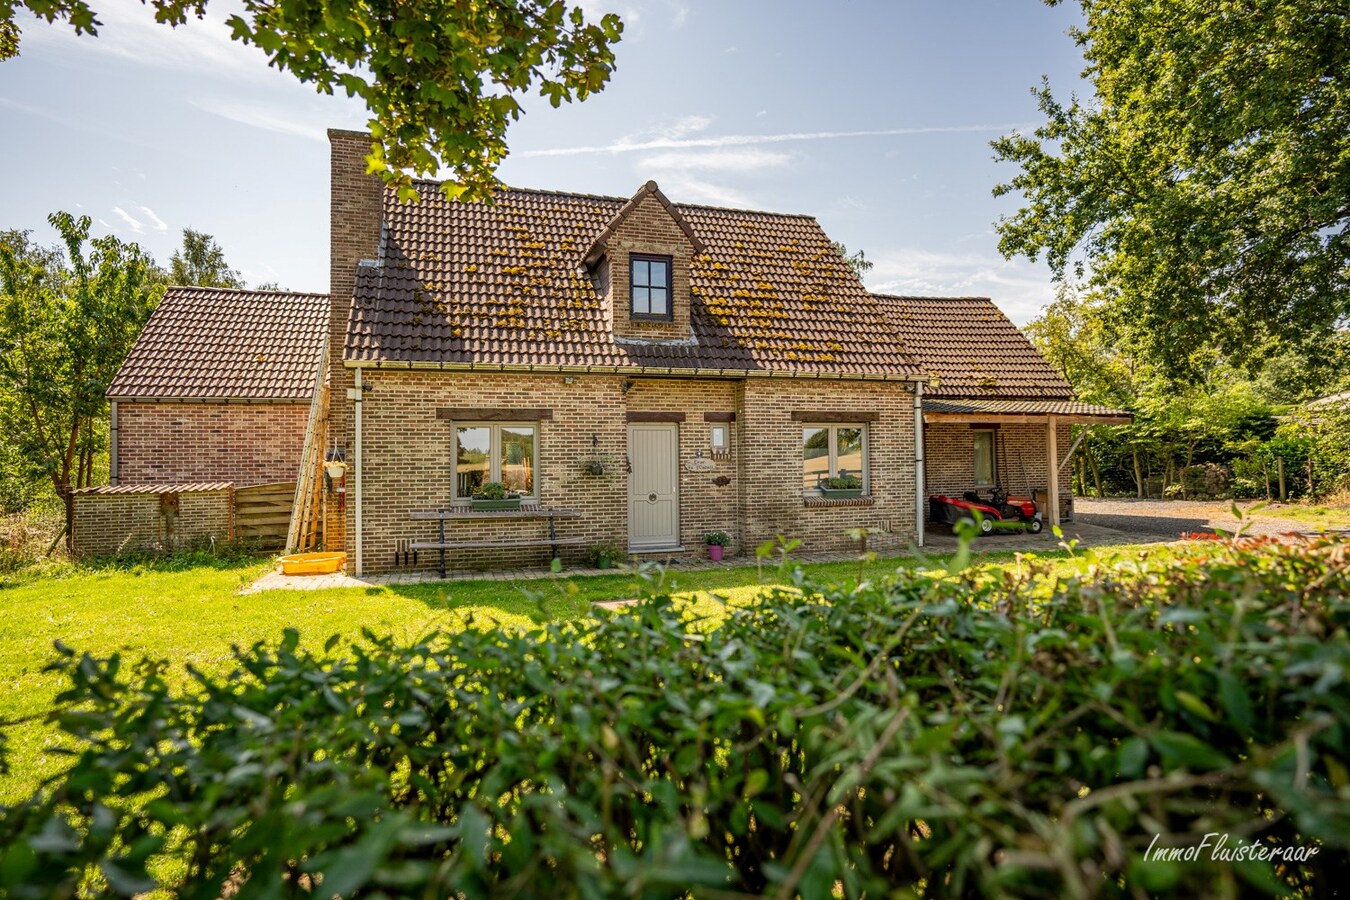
(932, 297)
(226, 290)
(582, 195)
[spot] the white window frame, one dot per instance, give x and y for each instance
(975, 456)
(494, 455)
(832, 428)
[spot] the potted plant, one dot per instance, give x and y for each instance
(605, 556)
(841, 487)
(493, 495)
(717, 544)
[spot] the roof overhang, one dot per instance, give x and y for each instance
(647, 371)
(1024, 418)
(238, 401)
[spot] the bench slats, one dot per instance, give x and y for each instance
(481, 545)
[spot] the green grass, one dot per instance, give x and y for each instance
(1322, 516)
(194, 615)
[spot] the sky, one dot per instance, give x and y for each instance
(875, 116)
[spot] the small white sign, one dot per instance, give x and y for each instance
(699, 464)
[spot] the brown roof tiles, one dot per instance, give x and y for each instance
(505, 285)
(214, 344)
(972, 348)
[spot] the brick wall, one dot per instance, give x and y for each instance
(649, 229)
(407, 455)
(159, 443)
(1021, 459)
(106, 524)
(354, 216)
(771, 478)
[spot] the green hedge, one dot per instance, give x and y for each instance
(976, 734)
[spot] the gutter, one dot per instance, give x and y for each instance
(354, 395)
(358, 365)
(919, 477)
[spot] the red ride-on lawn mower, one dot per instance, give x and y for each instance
(998, 512)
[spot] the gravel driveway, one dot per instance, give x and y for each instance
(1167, 519)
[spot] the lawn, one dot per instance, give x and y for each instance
(194, 615)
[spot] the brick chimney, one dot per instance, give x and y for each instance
(354, 220)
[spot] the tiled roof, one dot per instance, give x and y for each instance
(194, 487)
(1021, 408)
(504, 285)
(213, 344)
(972, 348)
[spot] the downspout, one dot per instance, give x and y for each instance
(919, 507)
(112, 443)
(356, 399)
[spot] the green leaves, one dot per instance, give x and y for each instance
(982, 734)
(1205, 185)
(440, 78)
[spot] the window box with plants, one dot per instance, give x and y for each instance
(717, 542)
(493, 496)
(841, 487)
(606, 556)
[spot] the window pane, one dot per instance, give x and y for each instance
(849, 452)
(660, 274)
(815, 456)
(984, 457)
(471, 459)
(641, 273)
(660, 304)
(518, 458)
(642, 302)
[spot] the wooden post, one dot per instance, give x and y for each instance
(1279, 472)
(1052, 467)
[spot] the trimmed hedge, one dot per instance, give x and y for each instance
(974, 734)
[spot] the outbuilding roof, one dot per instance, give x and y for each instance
(217, 344)
(972, 349)
(506, 285)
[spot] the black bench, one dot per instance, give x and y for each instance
(553, 541)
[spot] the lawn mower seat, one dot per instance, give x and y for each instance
(971, 496)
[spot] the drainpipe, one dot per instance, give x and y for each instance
(919, 507)
(112, 443)
(356, 399)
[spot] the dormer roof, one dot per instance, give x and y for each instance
(650, 189)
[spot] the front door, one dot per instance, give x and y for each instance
(654, 487)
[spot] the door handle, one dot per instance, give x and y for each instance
(651, 498)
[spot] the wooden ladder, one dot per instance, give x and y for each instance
(307, 508)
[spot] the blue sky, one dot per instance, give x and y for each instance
(873, 115)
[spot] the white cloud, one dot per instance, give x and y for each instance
(132, 223)
(679, 142)
(128, 30)
(155, 221)
(1020, 288)
(312, 124)
(747, 160)
(695, 190)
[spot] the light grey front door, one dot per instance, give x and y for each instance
(654, 486)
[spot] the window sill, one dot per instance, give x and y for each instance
(822, 503)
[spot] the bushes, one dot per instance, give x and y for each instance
(980, 734)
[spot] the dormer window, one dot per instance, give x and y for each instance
(650, 285)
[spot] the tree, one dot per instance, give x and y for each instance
(859, 262)
(440, 78)
(1206, 186)
(201, 262)
(68, 317)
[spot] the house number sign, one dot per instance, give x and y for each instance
(699, 464)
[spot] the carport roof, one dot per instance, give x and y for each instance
(981, 410)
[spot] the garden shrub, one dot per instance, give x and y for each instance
(984, 733)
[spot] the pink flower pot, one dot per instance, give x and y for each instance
(715, 552)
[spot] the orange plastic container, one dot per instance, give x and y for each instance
(312, 563)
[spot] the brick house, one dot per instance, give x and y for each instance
(217, 388)
(657, 371)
